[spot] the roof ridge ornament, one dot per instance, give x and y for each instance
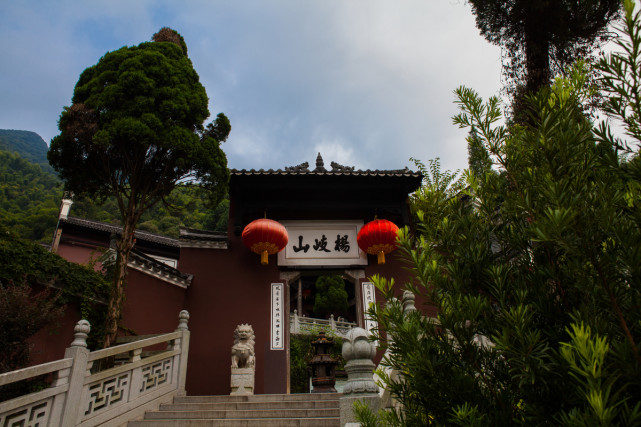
(320, 165)
(340, 168)
(303, 167)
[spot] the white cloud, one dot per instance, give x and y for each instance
(335, 151)
(367, 81)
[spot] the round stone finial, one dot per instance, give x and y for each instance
(183, 318)
(356, 345)
(358, 352)
(80, 332)
(408, 301)
(319, 161)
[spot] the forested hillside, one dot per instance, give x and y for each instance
(30, 194)
(185, 208)
(27, 144)
(29, 197)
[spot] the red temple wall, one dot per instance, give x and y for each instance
(50, 342)
(151, 305)
(81, 253)
(230, 287)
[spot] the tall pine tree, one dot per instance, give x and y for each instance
(134, 131)
(540, 38)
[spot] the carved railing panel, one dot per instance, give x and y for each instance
(156, 375)
(105, 394)
(34, 415)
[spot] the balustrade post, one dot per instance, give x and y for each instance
(296, 323)
(183, 318)
(408, 301)
(358, 352)
(332, 322)
(78, 351)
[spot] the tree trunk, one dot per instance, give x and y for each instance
(537, 52)
(123, 249)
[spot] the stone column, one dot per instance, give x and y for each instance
(183, 318)
(358, 351)
(78, 351)
(299, 297)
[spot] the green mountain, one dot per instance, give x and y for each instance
(27, 144)
(29, 198)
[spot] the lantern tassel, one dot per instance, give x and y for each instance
(381, 257)
(264, 257)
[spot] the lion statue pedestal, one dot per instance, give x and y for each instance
(243, 361)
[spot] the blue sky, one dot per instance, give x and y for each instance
(368, 83)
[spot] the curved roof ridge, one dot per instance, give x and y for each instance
(337, 169)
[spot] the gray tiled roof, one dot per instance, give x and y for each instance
(187, 233)
(111, 228)
(152, 264)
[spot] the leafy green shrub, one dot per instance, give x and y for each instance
(535, 269)
(331, 296)
(30, 263)
(22, 314)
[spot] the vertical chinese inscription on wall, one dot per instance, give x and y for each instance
(369, 297)
(278, 326)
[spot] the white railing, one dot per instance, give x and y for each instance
(110, 397)
(308, 325)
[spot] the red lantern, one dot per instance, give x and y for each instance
(265, 237)
(378, 237)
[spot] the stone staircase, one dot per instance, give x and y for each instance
(265, 410)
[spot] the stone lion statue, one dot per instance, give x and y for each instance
(242, 352)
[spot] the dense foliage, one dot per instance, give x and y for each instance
(135, 131)
(535, 269)
(331, 296)
(29, 198)
(22, 314)
(186, 207)
(30, 264)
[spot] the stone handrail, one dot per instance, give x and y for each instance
(309, 325)
(78, 397)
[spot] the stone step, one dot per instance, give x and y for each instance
(259, 398)
(247, 413)
(298, 404)
(261, 422)
(282, 410)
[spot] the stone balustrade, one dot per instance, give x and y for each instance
(362, 382)
(111, 397)
(309, 325)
